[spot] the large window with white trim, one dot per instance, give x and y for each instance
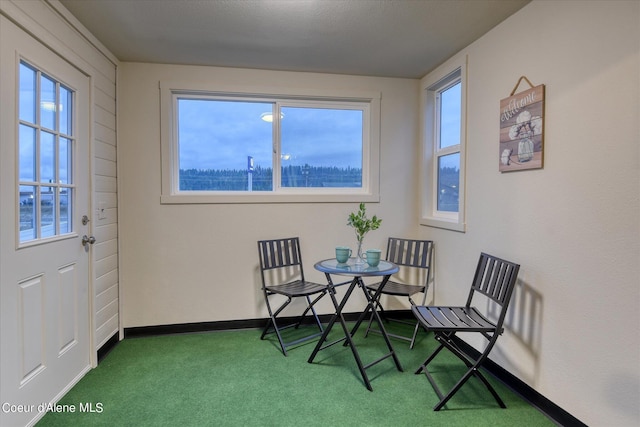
(246, 147)
(444, 144)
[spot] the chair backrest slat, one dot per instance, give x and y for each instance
(279, 253)
(411, 253)
(494, 278)
(408, 252)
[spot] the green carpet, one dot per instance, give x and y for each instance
(235, 379)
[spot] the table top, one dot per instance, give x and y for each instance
(350, 268)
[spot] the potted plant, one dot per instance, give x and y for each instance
(362, 225)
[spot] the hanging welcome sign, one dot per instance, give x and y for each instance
(522, 129)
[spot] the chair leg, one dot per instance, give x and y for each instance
(424, 364)
(379, 306)
(311, 307)
(474, 369)
(453, 391)
(273, 315)
(413, 337)
(272, 322)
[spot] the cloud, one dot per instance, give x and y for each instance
(221, 134)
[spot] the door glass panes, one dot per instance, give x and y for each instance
(47, 212)
(65, 201)
(27, 213)
(450, 115)
(27, 153)
(225, 145)
(46, 156)
(448, 182)
(47, 103)
(64, 161)
(65, 111)
(27, 109)
(321, 147)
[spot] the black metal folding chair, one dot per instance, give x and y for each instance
(414, 257)
(282, 274)
(494, 278)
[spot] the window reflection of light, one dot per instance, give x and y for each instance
(286, 156)
(268, 117)
(50, 106)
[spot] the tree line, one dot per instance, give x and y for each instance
(262, 178)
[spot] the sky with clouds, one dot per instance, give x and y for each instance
(221, 134)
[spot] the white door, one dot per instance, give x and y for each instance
(44, 193)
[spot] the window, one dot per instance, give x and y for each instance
(45, 156)
(444, 144)
(227, 147)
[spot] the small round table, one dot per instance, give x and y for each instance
(357, 271)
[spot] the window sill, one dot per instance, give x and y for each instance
(447, 224)
(242, 198)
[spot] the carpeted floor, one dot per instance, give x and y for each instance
(235, 379)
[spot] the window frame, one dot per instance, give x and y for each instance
(438, 81)
(171, 91)
(56, 186)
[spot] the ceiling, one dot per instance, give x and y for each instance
(390, 38)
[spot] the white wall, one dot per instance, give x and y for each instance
(198, 263)
(574, 226)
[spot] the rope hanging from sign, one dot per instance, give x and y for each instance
(518, 84)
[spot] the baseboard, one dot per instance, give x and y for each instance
(519, 387)
(107, 347)
(184, 328)
(227, 325)
(543, 404)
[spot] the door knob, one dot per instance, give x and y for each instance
(88, 240)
